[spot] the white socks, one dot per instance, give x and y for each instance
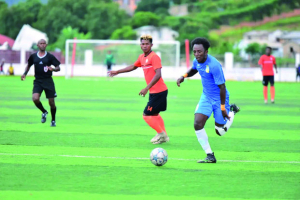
(228, 123)
(203, 140)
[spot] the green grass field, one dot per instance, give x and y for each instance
(100, 148)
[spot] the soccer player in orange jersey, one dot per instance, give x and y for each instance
(267, 62)
(151, 64)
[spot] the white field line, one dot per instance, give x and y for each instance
(137, 158)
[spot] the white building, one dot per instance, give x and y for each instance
(158, 33)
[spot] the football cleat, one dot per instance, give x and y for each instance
(53, 124)
(234, 108)
(210, 158)
(44, 115)
(160, 138)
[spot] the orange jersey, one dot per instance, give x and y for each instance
(267, 63)
(149, 64)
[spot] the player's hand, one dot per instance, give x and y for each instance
(50, 68)
(112, 73)
(180, 80)
(225, 115)
(23, 77)
(143, 92)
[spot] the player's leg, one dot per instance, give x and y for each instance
(36, 94)
(157, 103)
(108, 67)
(53, 111)
(222, 125)
(202, 113)
(38, 104)
(49, 88)
(265, 85)
(272, 89)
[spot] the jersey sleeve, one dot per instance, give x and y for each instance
(54, 61)
(30, 60)
(218, 75)
(274, 60)
(194, 66)
(137, 63)
(260, 61)
(156, 62)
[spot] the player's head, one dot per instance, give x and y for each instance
(109, 52)
(146, 43)
(42, 44)
(268, 50)
(200, 48)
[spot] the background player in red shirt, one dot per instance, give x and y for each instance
(151, 64)
(267, 62)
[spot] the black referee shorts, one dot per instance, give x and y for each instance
(267, 79)
(47, 85)
(157, 103)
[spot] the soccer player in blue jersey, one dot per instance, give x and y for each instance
(214, 99)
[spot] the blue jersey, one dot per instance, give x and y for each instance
(211, 76)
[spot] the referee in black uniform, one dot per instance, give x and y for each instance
(42, 61)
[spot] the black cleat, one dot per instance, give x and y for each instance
(273, 101)
(44, 115)
(53, 124)
(210, 158)
(234, 108)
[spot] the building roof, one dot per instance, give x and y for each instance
(4, 38)
(256, 33)
(291, 35)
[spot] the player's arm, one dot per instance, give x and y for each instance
(191, 72)
(55, 69)
(275, 66)
(154, 80)
(223, 98)
(55, 63)
(26, 71)
(124, 70)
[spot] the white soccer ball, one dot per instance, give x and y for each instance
(158, 156)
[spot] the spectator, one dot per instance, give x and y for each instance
(1, 66)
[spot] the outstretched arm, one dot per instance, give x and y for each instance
(223, 98)
(26, 71)
(191, 72)
(124, 70)
(154, 80)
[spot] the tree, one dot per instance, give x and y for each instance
(124, 33)
(152, 5)
(102, 19)
(52, 18)
(67, 33)
(253, 49)
(12, 19)
(190, 30)
(144, 18)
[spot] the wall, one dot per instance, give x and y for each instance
(237, 74)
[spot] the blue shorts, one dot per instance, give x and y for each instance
(206, 106)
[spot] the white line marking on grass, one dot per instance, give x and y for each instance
(137, 158)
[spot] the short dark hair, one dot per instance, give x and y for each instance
(269, 48)
(202, 41)
(146, 37)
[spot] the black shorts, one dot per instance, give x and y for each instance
(157, 103)
(108, 67)
(267, 79)
(47, 85)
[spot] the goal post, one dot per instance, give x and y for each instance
(90, 55)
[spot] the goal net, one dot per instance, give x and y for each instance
(87, 57)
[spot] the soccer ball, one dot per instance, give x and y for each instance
(158, 157)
